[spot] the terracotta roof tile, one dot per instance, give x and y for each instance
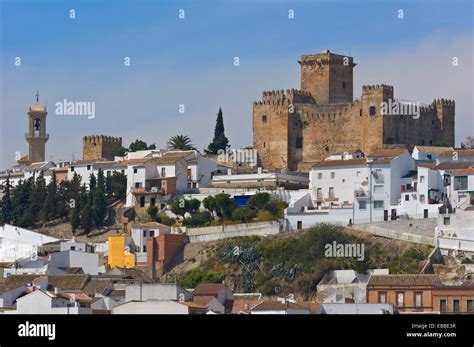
(404, 280)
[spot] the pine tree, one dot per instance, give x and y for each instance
(99, 205)
(220, 141)
(86, 217)
(48, 211)
(6, 210)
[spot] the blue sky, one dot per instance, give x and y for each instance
(190, 62)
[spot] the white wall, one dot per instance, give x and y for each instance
(151, 307)
(89, 262)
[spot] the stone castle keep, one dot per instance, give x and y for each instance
(99, 146)
(294, 129)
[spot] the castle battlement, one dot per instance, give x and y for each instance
(372, 87)
(101, 139)
(443, 102)
(326, 119)
(100, 146)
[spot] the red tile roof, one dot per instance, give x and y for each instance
(208, 288)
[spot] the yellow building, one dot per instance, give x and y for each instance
(118, 256)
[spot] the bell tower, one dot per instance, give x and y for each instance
(36, 135)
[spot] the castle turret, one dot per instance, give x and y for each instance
(100, 146)
(445, 111)
(328, 77)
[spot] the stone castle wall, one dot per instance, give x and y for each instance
(296, 128)
(100, 146)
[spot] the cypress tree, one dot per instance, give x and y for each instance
(220, 141)
(6, 210)
(99, 205)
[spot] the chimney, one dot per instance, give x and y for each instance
(259, 170)
(57, 290)
(229, 171)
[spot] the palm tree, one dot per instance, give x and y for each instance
(180, 143)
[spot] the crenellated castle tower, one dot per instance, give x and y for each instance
(100, 146)
(294, 129)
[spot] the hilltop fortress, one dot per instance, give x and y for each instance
(294, 129)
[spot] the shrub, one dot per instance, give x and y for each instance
(164, 219)
(258, 201)
(199, 219)
(244, 214)
(152, 211)
(196, 276)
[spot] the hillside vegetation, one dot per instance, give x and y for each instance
(291, 262)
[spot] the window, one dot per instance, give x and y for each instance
(88, 167)
(137, 185)
(456, 305)
(319, 193)
(144, 233)
(152, 201)
(331, 192)
(460, 183)
(442, 305)
(422, 179)
(343, 85)
(264, 118)
(447, 221)
(470, 305)
(108, 173)
(333, 174)
(358, 174)
(418, 300)
(372, 110)
(152, 233)
(299, 142)
(320, 175)
(72, 168)
(429, 156)
(378, 204)
(422, 198)
(360, 113)
(135, 170)
(362, 205)
(378, 189)
(299, 225)
(400, 299)
(73, 248)
(163, 172)
(382, 297)
(144, 249)
(407, 197)
(263, 144)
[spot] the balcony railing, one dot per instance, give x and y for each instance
(31, 136)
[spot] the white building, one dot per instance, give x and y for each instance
(89, 262)
(9, 294)
(200, 172)
(141, 233)
(159, 307)
(456, 155)
(156, 291)
(428, 153)
(148, 180)
(357, 308)
(17, 243)
(41, 301)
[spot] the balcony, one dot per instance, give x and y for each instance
(361, 194)
(36, 136)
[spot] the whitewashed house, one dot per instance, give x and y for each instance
(428, 153)
(141, 233)
(89, 262)
(149, 180)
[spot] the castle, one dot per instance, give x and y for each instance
(294, 129)
(99, 146)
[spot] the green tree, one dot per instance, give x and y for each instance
(74, 218)
(99, 205)
(243, 214)
(86, 217)
(225, 205)
(6, 203)
(210, 203)
(220, 141)
(152, 211)
(192, 206)
(139, 145)
(258, 201)
(180, 143)
(118, 186)
(199, 219)
(179, 207)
